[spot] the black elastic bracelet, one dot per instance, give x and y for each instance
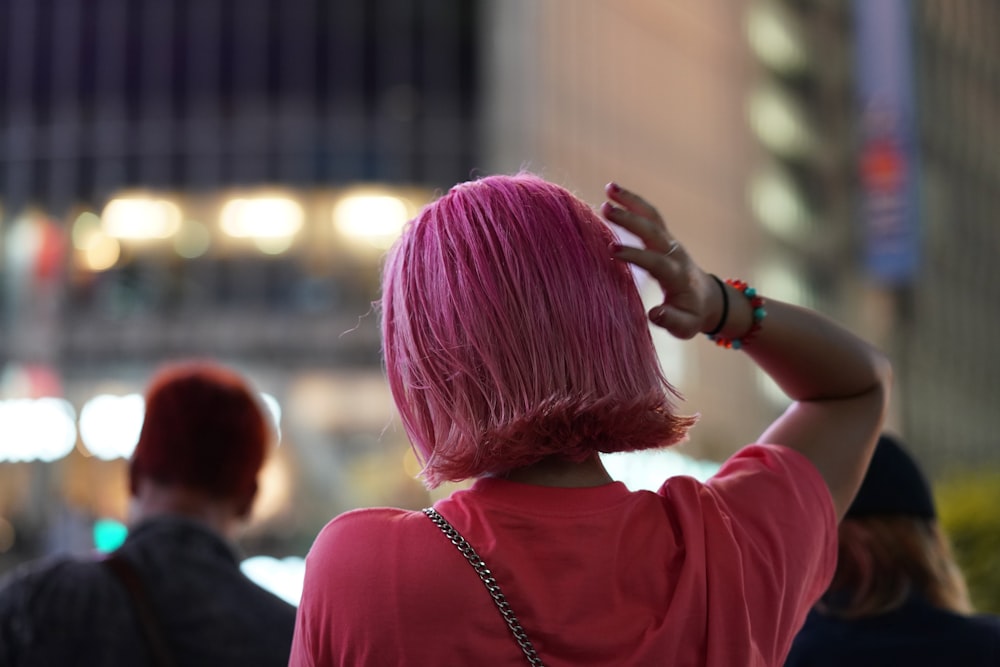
(725, 307)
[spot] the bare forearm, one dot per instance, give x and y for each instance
(808, 355)
(839, 384)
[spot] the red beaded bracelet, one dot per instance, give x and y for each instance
(757, 303)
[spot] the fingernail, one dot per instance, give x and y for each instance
(612, 187)
(615, 248)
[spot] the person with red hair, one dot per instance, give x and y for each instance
(517, 350)
(173, 593)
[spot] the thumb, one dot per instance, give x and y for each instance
(677, 322)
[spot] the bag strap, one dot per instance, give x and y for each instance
(477, 563)
(126, 573)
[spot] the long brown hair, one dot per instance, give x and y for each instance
(882, 559)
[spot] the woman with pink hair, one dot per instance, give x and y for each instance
(517, 349)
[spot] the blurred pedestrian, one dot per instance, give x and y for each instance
(173, 593)
(898, 597)
(517, 348)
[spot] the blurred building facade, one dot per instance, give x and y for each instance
(950, 366)
(747, 129)
(208, 116)
(204, 98)
(926, 292)
(213, 178)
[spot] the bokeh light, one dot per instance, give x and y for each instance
(141, 218)
(284, 577)
(40, 429)
(274, 409)
(109, 534)
(777, 203)
(779, 122)
(192, 240)
(110, 425)
(648, 468)
(372, 216)
(271, 222)
(96, 250)
(776, 38)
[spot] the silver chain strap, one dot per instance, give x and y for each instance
(477, 563)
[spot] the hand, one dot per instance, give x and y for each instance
(690, 296)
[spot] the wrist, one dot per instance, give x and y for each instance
(722, 311)
(745, 315)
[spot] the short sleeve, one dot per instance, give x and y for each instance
(784, 527)
(301, 654)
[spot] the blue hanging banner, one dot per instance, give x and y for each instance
(889, 160)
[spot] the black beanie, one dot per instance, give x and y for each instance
(893, 484)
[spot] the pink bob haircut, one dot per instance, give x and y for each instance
(205, 429)
(511, 335)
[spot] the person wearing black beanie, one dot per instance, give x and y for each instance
(897, 596)
(893, 484)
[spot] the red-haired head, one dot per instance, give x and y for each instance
(204, 429)
(511, 335)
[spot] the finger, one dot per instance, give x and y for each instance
(631, 201)
(639, 225)
(677, 314)
(665, 269)
(652, 233)
(677, 321)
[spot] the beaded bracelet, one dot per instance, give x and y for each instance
(757, 303)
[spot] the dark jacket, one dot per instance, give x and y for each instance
(72, 611)
(915, 635)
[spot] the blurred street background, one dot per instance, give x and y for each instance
(221, 178)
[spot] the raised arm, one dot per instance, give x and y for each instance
(839, 384)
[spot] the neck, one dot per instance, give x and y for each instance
(153, 499)
(553, 471)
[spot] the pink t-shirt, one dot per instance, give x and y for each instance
(720, 573)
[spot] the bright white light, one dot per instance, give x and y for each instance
(283, 577)
(55, 428)
(140, 218)
(776, 39)
(262, 218)
(779, 122)
(40, 429)
(375, 218)
(110, 425)
(648, 469)
(23, 242)
(275, 409)
(777, 203)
